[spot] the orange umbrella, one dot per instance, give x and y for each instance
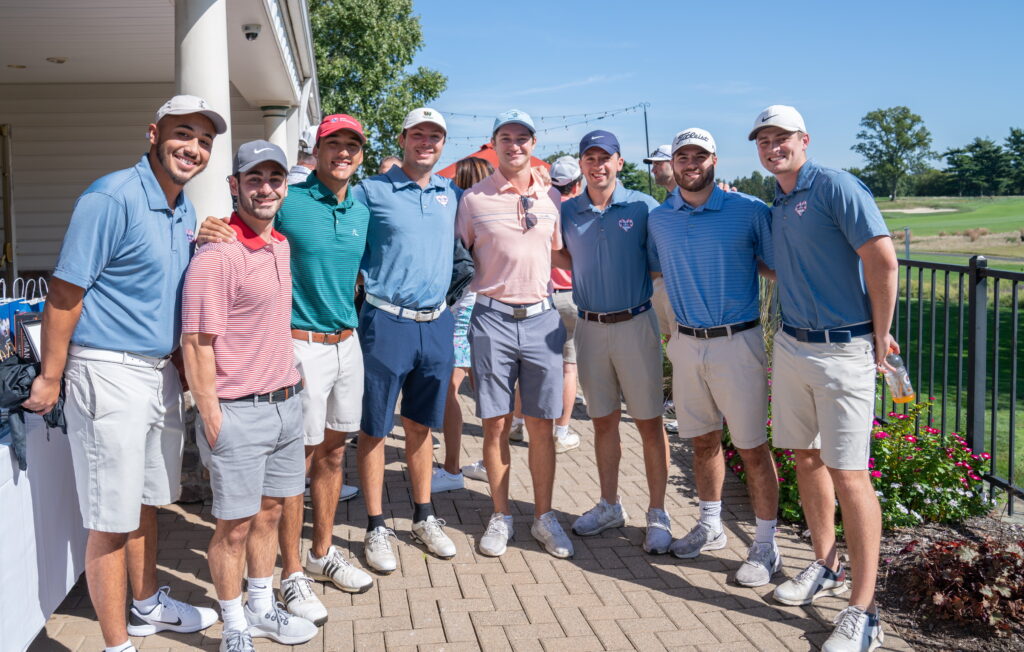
(487, 153)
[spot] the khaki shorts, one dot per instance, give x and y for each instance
(126, 433)
(569, 313)
(721, 377)
(333, 379)
(620, 360)
(823, 397)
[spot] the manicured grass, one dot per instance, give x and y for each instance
(997, 214)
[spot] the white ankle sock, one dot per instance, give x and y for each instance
(765, 531)
(561, 431)
(232, 615)
(123, 647)
(261, 593)
(711, 514)
(145, 606)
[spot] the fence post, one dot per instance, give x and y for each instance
(977, 344)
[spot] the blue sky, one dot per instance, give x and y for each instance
(716, 65)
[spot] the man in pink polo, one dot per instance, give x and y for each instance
(236, 341)
(510, 222)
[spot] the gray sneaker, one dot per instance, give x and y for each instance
(430, 532)
(856, 631)
(698, 540)
(497, 535)
(659, 532)
(475, 471)
(515, 433)
(235, 640)
(763, 561)
(277, 624)
(811, 583)
(548, 531)
(567, 442)
(599, 518)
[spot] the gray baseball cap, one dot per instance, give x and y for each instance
(564, 171)
(186, 104)
(255, 152)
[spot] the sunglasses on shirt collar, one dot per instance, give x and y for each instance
(529, 221)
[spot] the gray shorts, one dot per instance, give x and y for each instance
(504, 350)
(259, 452)
(569, 313)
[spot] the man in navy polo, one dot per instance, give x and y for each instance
(405, 327)
(618, 350)
(709, 246)
(837, 272)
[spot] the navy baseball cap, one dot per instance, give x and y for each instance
(606, 140)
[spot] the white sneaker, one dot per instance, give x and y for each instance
(277, 624)
(497, 535)
(567, 442)
(856, 631)
(515, 433)
(169, 615)
(379, 555)
(698, 540)
(811, 583)
(763, 561)
(300, 600)
(430, 532)
(548, 531)
(232, 640)
(334, 568)
(599, 518)
(658, 537)
(441, 480)
(475, 471)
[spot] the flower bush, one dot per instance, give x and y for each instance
(918, 474)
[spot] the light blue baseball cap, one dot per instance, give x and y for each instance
(514, 116)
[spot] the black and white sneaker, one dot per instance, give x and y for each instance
(811, 583)
(169, 615)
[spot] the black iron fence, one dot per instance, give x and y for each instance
(958, 327)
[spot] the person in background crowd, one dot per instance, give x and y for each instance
(837, 279)
(406, 329)
(111, 322)
(509, 221)
(660, 161)
(449, 476)
(305, 161)
(710, 245)
(619, 351)
(237, 302)
(388, 163)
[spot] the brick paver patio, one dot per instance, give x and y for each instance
(610, 596)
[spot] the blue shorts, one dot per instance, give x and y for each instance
(402, 355)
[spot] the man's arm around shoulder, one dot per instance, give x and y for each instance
(63, 309)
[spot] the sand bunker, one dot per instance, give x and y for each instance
(919, 210)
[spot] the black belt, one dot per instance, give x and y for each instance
(841, 335)
(614, 317)
(275, 396)
(718, 331)
(557, 290)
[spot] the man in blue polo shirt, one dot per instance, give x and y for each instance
(405, 326)
(618, 350)
(709, 246)
(837, 273)
(112, 321)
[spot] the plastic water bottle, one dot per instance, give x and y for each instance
(898, 379)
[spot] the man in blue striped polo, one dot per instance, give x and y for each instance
(709, 245)
(618, 346)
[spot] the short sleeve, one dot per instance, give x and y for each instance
(762, 227)
(209, 286)
(358, 193)
(464, 223)
(98, 226)
(854, 210)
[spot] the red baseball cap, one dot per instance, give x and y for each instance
(337, 122)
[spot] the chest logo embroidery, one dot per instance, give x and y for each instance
(355, 233)
(626, 223)
(801, 207)
(190, 234)
(442, 199)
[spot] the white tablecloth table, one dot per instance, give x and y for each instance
(42, 541)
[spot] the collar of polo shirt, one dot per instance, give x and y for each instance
(247, 236)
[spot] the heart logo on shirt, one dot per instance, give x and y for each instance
(442, 199)
(801, 207)
(190, 234)
(626, 223)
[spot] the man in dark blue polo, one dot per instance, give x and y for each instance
(618, 351)
(405, 326)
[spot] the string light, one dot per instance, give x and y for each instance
(587, 119)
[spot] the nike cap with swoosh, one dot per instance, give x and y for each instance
(778, 115)
(601, 139)
(251, 154)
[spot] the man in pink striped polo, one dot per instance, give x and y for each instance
(239, 360)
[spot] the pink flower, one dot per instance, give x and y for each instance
(769, 422)
(781, 480)
(911, 438)
(876, 474)
(881, 434)
(871, 464)
(986, 456)
(975, 477)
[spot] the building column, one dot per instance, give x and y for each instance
(275, 127)
(201, 68)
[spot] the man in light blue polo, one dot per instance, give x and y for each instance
(618, 350)
(405, 326)
(709, 246)
(112, 321)
(837, 288)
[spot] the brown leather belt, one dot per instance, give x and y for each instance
(276, 396)
(322, 338)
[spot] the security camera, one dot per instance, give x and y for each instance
(251, 31)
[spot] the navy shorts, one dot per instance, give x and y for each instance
(408, 357)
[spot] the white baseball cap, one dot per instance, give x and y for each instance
(778, 115)
(307, 141)
(564, 171)
(663, 153)
(423, 114)
(694, 136)
(186, 104)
